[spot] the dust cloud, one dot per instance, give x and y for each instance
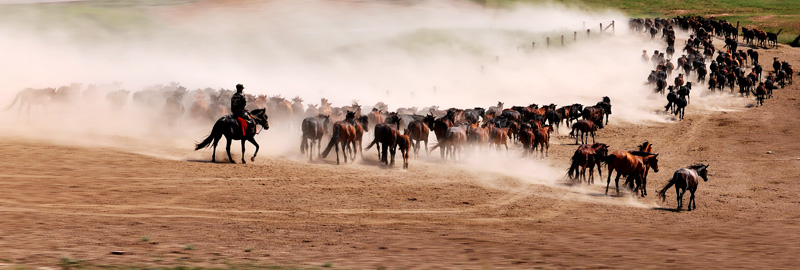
(444, 53)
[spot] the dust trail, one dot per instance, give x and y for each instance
(445, 53)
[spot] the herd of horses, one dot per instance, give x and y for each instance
(457, 130)
(728, 68)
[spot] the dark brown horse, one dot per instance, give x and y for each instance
(584, 127)
(686, 179)
(313, 130)
(587, 156)
(386, 138)
(439, 127)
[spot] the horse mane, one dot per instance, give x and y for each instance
(696, 166)
(640, 153)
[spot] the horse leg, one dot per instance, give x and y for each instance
(311, 150)
(243, 161)
(546, 152)
(214, 152)
(426, 147)
(692, 204)
(680, 198)
(345, 147)
(336, 145)
(393, 152)
(616, 182)
(228, 149)
(608, 181)
(253, 141)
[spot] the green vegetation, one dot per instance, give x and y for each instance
(190, 247)
(767, 15)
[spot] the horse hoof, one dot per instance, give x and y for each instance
(253, 159)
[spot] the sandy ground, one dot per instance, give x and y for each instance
(62, 201)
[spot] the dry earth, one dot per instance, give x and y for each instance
(85, 202)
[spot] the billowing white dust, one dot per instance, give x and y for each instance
(449, 54)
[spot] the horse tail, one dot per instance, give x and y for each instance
(14, 102)
(434, 148)
(332, 143)
(373, 142)
(573, 166)
(663, 193)
(207, 141)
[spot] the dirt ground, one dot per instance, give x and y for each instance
(61, 201)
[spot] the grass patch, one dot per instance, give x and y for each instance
(767, 15)
(190, 247)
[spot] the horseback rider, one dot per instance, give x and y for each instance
(238, 103)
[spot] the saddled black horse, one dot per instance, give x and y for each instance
(229, 126)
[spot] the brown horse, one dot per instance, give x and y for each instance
(543, 140)
(344, 134)
(453, 142)
(628, 164)
(584, 127)
(361, 125)
(439, 127)
(418, 131)
(587, 156)
(498, 136)
(527, 138)
(404, 144)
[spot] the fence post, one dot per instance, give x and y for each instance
(601, 27)
(533, 45)
(575, 36)
(548, 42)
(562, 40)
(613, 27)
(588, 31)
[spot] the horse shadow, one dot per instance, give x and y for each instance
(666, 209)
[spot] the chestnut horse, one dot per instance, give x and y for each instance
(418, 131)
(629, 164)
(543, 140)
(343, 134)
(404, 144)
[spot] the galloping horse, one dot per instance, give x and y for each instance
(228, 126)
(685, 179)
